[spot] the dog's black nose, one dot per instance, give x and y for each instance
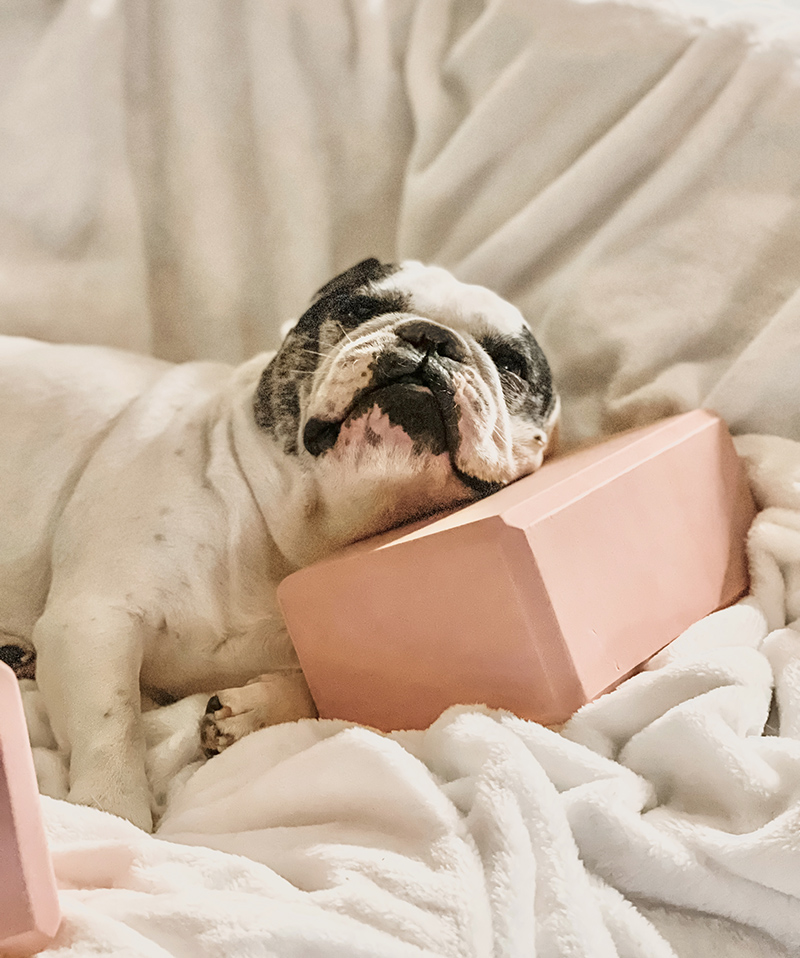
(428, 336)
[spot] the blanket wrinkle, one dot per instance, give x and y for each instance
(774, 537)
(629, 173)
(645, 697)
(626, 171)
(644, 158)
(741, 624)
(782, 649)
(712, 777)
(632, 932)
(526, 818)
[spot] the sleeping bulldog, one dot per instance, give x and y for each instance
(148, 511)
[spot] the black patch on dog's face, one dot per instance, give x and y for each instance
(367, 271)
(524, 374)
(412, 407)
(344, 303)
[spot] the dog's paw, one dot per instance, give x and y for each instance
(267, 700)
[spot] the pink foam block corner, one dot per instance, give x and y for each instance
(29, 911)
(538, 598)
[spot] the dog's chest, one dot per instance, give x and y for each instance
(164, 522)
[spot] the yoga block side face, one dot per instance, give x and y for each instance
(29, 910)
(402, 633)
(538, 598)
(657, 547)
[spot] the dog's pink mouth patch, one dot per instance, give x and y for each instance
(401, 417)
(403, 413)
(372, 428)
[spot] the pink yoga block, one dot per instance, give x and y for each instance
(538, 598)
(29, 912)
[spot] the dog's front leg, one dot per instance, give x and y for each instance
(89, 658)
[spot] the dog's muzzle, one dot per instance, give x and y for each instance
(412, 387)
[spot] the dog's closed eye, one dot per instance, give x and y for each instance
(507, 359)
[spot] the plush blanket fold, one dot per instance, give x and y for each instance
(179, 178)
(662, 820)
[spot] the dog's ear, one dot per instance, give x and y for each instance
(367, 271)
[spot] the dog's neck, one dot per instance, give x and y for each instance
(277, 483)
(311, 509)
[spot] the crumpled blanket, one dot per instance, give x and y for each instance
(662, 820)
(179, 179)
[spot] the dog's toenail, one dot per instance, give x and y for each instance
(214, 704)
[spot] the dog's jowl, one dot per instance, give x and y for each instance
(148, 511)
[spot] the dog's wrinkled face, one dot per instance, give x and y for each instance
(402, 377)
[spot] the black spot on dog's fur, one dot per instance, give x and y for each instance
(320, 435)
(414, 409)
(11, 654)
(21, 660)
(342, 304)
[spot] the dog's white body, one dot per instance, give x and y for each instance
(132, 546)
(146, 516)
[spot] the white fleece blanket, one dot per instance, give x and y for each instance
(661, 821)
(179, 177)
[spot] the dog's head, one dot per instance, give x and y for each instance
(402, 391)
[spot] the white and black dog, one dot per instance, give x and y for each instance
(148, 510)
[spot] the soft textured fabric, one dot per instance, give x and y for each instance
(180, 178)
